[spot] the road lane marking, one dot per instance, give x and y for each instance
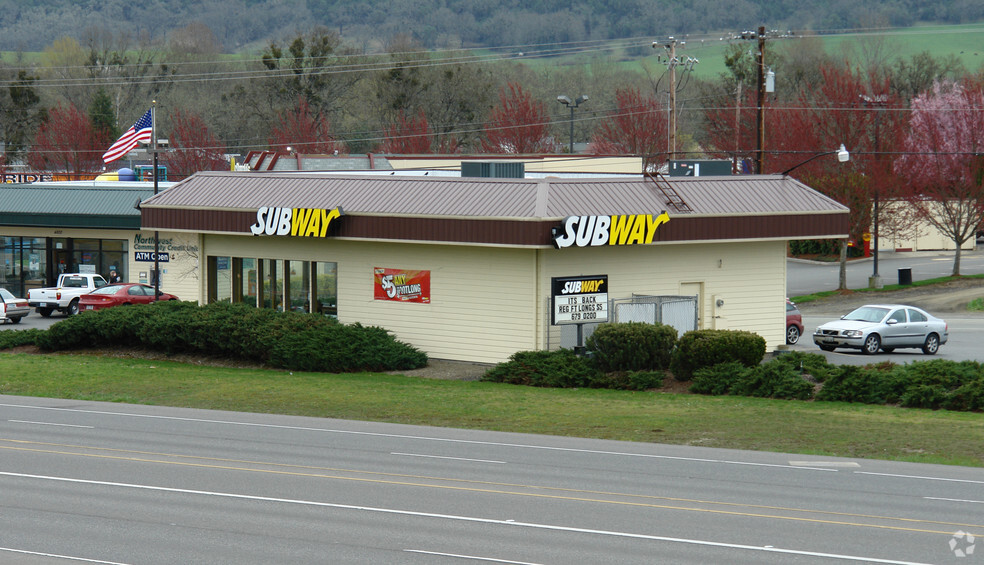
(824, 464)
(470, 557)
(472, 519)
(450, 458)
(51, 424)
(945, 479)
(69, 557)
(954, 500)
(501, 488)
(423, 438)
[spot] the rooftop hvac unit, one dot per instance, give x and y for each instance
(493, 169)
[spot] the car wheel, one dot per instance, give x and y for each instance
(73, 308)
(828, 347)
(871, 345)
(932, 344)
(792, 335)
(45, 312)
(15, 320)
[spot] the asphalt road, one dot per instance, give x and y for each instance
(112, 483)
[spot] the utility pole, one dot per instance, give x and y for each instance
(759, 158)
(672, 62)
(671, 46)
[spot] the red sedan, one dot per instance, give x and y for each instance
(120, 295)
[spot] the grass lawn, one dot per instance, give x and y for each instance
(816, 428)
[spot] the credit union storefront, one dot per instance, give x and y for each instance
(463, 267)
(90, 227)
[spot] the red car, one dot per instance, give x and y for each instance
(794, 323)
(120, 295)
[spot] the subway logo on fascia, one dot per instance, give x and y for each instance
(591, 231)
(304, 222)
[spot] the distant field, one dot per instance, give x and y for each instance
(966, 42)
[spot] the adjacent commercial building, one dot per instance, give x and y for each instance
(92, 227)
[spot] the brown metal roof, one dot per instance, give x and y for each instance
(501, 211)
(493, 198)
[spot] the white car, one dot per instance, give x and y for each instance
(885, 327)
(12, 308)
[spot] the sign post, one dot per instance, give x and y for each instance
(579, 300)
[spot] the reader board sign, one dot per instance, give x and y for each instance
(401, 285)
(579, 300)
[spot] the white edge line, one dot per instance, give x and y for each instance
(425, 438)
(472, 519)
(50, 424)
(920, 478)
(450, 458)
(470, 557)
(953, 500)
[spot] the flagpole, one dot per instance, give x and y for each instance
(157, 238)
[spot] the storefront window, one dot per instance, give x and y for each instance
(23, 261)
(298, 285)
(326, 288)
(219, 279)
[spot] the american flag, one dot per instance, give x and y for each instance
(140, 132)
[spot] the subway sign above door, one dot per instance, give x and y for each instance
(302, 222)
(592, 231)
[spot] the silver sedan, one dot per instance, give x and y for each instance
(885, 327)
(12, 308)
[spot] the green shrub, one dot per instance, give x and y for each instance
(717, 379)
(632, 346)
(628, 380)
(17, 338)
(706, 348)
(289, 340)
(874, 384)
(561, 369)
(969, 397)
(772, 380)
(813, 364)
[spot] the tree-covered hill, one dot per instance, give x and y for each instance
(237, 24)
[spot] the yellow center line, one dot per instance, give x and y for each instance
(199, 462)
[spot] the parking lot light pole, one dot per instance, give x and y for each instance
(566, 101)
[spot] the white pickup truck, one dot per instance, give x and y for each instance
(65, 296)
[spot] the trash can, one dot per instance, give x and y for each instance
(905, 276)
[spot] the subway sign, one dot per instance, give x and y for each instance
(592, 231)
(302, 222)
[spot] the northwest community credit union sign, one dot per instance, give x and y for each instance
(304, 222)
(590, 231)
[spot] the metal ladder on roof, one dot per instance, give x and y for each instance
(672, 196)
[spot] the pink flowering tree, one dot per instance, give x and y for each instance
(944, 160)
(519, 124)
(638, 126)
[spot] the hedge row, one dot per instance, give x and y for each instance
(289, 340)
(630, 356)
(935, 384)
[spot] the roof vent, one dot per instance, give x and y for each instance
(493, 169)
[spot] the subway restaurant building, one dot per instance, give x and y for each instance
(476, 269)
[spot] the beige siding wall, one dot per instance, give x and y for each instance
(482, 305)
(181, 274)
(750, 279)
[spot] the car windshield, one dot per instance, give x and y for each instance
(5, 294)
(867, 314)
